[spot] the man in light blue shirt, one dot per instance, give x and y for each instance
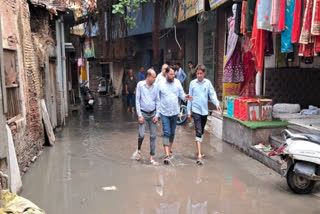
(146, 106)
(200, 89)
(180, 74)
(141, 75)
(169, 92)
(162, 75)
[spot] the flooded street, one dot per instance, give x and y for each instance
(94, 151)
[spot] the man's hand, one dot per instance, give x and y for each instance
(155, 119)
(219, 109)
(189, 117)
(127, 92)
(188, 97)
(141, 119)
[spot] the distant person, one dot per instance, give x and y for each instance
(130, 85)
(200, 89)
(141, 74)
(169, 92)
(146, 106)
(191, 74)
(162, 75)
(180, 75)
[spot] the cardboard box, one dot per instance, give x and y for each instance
(236, 106)
(250, 110)
(266, 109)
(230, 104)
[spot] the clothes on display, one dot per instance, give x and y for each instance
(233, 71)
(243, 29)
(286, 45)
(296, 22)
(264, 14)
(275, 14)
(251, 8)
(315, 29)
(281, 24)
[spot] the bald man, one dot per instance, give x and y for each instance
(162, 76)
(146, 106)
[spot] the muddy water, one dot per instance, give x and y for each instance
(94, 150)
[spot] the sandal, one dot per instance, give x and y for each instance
(199, 161)
(138, 155)
(154, 163)
(166, 160)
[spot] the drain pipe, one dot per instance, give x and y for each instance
(175, 36)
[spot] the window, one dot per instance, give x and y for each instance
(12, 83)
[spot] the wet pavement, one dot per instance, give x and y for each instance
(94, 151)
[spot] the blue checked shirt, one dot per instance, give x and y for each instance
(168, 94)
(146, 98)
(200, 93)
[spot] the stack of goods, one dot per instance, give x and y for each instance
(250, 109)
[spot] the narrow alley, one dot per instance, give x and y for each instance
(94, 151)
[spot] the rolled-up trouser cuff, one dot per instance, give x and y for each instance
(199, 139)
(171, 139)
(165, 141)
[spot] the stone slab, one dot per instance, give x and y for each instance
(47, 123)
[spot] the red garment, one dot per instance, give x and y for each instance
(305, 36)
(281, 25)
(248, 87)
(243, 29)
(317, 44)
(315, 28)
(257, 44)
(296, 22)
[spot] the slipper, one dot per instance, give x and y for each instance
(166, 160)
(154, 163)
(199, 161)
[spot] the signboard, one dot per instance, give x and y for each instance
(216, 3)
(189, 8)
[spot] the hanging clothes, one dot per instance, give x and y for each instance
(282, 15)
(296, 22)
(251, 8)
(305, 36)
(268, 48)
(233, 71)
(264, 15)
(286, 45)
(248, 87)
(257, 44)
(315, 27)
(243, 29)
(275, 14)
(238, 19)
(83, 73)
(317, 44)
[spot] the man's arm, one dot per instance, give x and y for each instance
(213, 95)
(181, 94)
(184, 76)
(138, 95)
(158, 101)
(189, 107)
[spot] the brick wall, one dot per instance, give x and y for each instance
(28, 133)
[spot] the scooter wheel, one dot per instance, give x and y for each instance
(299, 184)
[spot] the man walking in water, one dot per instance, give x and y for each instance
(146, 106)
(200, 89)
(169, 92)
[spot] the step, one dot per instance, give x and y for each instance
(301, 129)
(273, 162)
(276, 141)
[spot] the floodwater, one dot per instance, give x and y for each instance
(94, 151)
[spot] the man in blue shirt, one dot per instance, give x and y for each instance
(200, 89)
(169, 92)
(146, 106)
(180, 75)
(141, 74)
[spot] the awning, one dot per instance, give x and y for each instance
(188, 8)
(216, 3)
(51, 7)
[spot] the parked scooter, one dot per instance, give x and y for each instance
(183, 114)
(301, 161)
(88, 99)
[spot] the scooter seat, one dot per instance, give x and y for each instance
(313, 138)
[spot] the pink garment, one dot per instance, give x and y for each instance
(232, 39)
(275, 13)
(80, 62)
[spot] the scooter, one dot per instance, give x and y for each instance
(183, 114)
(301, 161)
(88, 98)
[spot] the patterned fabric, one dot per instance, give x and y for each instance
(243, 29)
(233, 71)
(232, 39)
(264, 15)
(238, 19)
(286, 45)
(315, 28)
